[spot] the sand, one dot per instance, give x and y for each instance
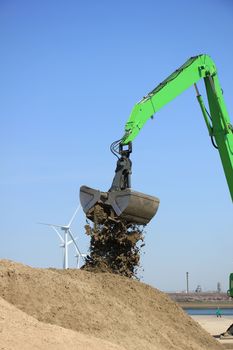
(61, 309)
(21, 331)
(216, 326)
(114, 243)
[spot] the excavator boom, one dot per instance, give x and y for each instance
(217, 120)
(120, 201)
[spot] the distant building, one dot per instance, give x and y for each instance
(219, 289)
(198, 289)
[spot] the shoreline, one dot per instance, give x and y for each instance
(205, 305)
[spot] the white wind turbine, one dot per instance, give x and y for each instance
(65, 242)
(78, 256)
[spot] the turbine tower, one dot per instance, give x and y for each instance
(67, 239)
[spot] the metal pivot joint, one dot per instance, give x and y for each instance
(122, 178)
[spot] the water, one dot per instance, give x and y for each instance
(224, 312)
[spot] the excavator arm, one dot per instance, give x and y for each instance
(121, 202)
(217, 119)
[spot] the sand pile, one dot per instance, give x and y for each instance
(109, 307)
(21, 331)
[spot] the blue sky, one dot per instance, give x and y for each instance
(71, 71)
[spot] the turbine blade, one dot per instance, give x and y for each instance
(72, 219)
(44, 223)
(60, 226)
(59, 235)
(76, 246)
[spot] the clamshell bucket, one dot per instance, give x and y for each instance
(129, 205)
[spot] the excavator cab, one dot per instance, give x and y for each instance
(120, 202)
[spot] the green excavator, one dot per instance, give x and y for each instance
(121, 202)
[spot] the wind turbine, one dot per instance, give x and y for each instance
(65, 242)
(78, 256)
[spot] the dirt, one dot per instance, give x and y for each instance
(19, 331)
(58, 309)
(115, 244)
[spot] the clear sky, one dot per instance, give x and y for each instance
(71, 71)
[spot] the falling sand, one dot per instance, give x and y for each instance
(114, 244)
